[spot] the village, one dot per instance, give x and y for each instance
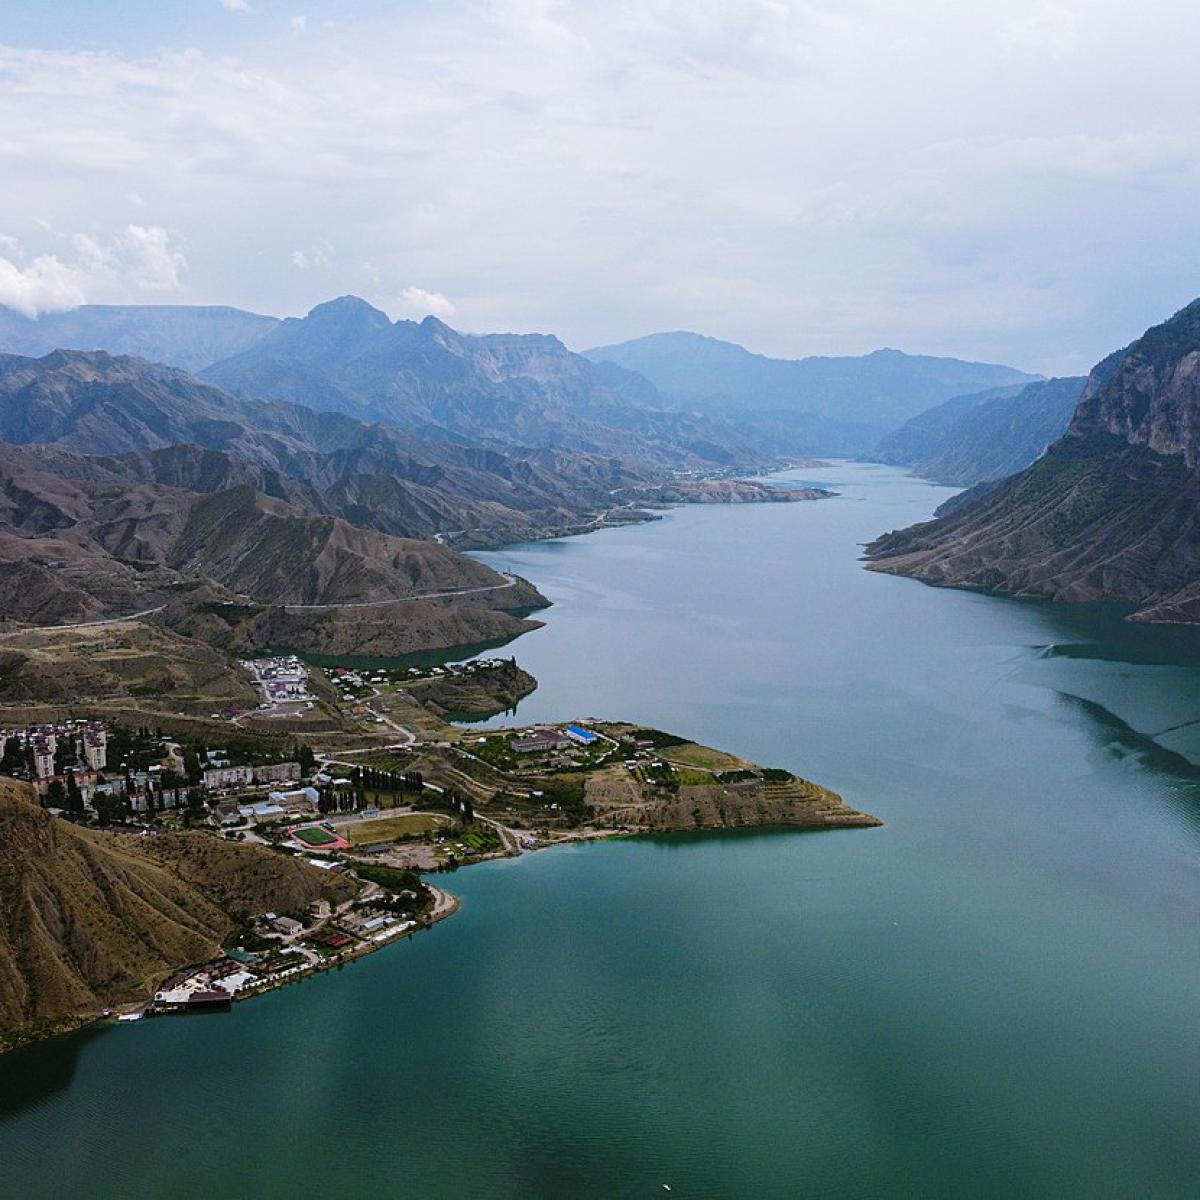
(382, 809)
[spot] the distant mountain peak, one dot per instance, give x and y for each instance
(855, 398)
(186, 336)
(348, 307)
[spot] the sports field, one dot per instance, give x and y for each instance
(314, 835)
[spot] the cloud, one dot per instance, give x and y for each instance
(239, 6)
(1050, 30)
(417, 302)
(153, 265)
(318, 255)
(47, 284)
(299, 24)
(804, 176)
(138, 259)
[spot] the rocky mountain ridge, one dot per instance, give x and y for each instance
(145, 422)
(502, 389)
(819, 405)
(1111, 511)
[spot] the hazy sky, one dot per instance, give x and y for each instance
(1015, 181)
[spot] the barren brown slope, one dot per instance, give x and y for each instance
(89, 918)
(94, 416)
(1110, 512)
(102, 538)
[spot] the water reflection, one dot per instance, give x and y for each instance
(33, 1074)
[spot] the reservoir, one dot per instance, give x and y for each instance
(994, 995)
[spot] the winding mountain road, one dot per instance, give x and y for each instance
(146, 612)
(509, 581)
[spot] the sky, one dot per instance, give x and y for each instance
(1016, 181)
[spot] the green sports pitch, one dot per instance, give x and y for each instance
(315, 835)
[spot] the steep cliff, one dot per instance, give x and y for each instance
(1112, 511)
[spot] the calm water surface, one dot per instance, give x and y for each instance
(995, 995)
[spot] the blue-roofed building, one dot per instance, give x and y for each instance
(585, 737)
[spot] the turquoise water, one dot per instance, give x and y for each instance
(994, 995)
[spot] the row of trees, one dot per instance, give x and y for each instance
(460, 803)
(378, 780)
(304, 755)
(347, 797)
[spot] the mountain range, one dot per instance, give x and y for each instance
(423, 377)
(1110, 511)
(319, 460)
(983, 437)
(815, 405)
(181, 335)
(157, 424)
(675, 400)
(129, 487)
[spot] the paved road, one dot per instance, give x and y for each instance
(509, 581)
(392, 725)
(146, 612)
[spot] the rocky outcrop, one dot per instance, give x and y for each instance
(1112, 511)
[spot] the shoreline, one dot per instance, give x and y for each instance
(446, 905)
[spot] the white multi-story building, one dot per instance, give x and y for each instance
(43, 758)
(220, 777)
(277, 773)
(95, 746)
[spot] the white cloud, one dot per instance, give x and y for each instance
(47, 284)
(417, 302)
(318, 255)
(153, 265)
(299, 24)
(800, 175)
(138, 259)
(240, 6)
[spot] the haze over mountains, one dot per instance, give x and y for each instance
(1111, 511)
(979, 438)
(675, 400)
(333, 433)
(810, 405)
(186, 336)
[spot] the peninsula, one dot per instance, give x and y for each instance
(147, 871)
